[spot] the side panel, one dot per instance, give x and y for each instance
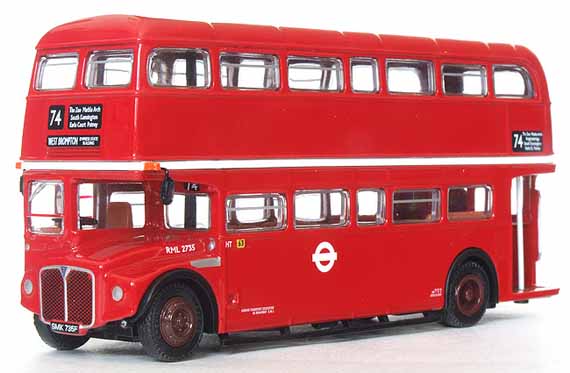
(386, 269)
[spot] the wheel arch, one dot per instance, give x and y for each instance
(479, 256)
(197, 283)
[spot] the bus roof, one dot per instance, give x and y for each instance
(114, 29)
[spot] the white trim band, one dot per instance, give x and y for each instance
(287, 163)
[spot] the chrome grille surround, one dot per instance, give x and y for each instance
(85, 307)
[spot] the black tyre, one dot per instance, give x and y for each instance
(467, 296)
(173, 325)
(62, 342)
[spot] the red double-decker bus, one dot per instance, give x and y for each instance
(182, 178)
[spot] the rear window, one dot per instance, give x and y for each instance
(168, 67)
(512, 81)
(109, 69)
(57, 72)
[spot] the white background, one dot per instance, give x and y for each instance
(510, 338)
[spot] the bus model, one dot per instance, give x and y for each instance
(182, 178)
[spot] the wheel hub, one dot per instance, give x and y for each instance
(469, 295)
(177, 322)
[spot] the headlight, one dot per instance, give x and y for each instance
(117, 293)
(28, 286)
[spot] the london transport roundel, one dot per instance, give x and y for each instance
(324, 257)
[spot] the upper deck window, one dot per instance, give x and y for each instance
(467, 80)
(57, 71)
(409, 76)
(364, 75)
(249, 71)
(176, 67)
(109, 69)
(315, 74)
(511, 81)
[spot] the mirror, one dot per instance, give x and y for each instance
(167, 189)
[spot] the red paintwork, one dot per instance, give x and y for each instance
(401, 263)
(386, 269)
(266, 124)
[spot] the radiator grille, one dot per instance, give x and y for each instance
(53, 302)
(67, 295)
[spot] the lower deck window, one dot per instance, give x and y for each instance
(321, 208)
(111, 205)
(416, 206)
(469, 202)
(188, 211)
(371, 205)
(255, 212)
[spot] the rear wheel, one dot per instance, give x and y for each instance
(467, 296)
(62, 342)
(173, 325)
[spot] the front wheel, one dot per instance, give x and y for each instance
(173, 325)
(62, 342)
(467, 296)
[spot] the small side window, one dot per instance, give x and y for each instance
(416, 206)
(188, 211)
(469, 202)
(512, 81)
(57, 72)
(249, 71)
(255, 212)
(171, 67)
(315, 74)
(364, 75)
(109, 69)
(467, 80)
(407, 76)
(371, 205)
(321, 208)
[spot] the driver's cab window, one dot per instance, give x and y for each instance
(112, 205)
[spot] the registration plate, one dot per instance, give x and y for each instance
(60, 327)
